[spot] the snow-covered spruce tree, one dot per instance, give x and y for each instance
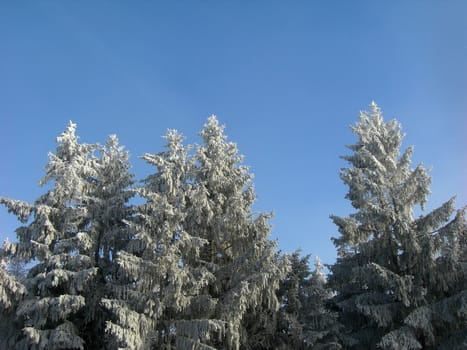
(245, 265)
(397, 278)
(303, 320)
(154, 282)
(76, 228)
(54, 237)
(109, 212)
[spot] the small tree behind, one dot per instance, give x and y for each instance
(304, 320)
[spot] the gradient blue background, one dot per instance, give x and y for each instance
(287, 78)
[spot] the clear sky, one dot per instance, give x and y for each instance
(287, 78)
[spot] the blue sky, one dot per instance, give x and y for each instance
(287, 78)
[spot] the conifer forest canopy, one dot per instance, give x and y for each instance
(180, 260)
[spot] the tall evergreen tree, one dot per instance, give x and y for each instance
(394, 271)
(154, 282)
(245, 265)
(109, 212)
(72, 234)
(57, 240)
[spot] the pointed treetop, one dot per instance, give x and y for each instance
(318, 264)
(212, 119)
(71, 125)
(112, 139)
(68, 133)
(318, 273)
(67, 141)
(374, 107)
(376, 134)
(173, 137)
(212, 130)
